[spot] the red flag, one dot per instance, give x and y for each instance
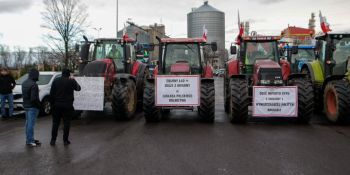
(205, 32)
(324, 24)
(241, 30)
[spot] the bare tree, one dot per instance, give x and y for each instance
(19, 55)
(65, 21)
(5, 55)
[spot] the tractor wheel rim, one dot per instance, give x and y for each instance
(131, 100)
(331, 103)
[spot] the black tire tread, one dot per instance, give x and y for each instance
(206, 110)
(120, 100)
(239, 100)
(151, 112)
(342, 89)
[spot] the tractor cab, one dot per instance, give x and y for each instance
(334, 53)
(183, 56)
(258, 58)
(297, 56)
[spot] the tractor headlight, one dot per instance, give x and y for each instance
(278, 82)
(265, 82)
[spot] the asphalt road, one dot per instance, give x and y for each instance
(178, 145)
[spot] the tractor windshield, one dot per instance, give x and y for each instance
(182, 52)
(304, 54)
(260, 50)
(342, 51)
(110, 50)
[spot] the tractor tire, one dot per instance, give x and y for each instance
(337, 101)
(305, 98)
(227, 95)
(206, 110)
(239, 100)
(124, 99)
(318, 92)
(150, 111)
(141, 82)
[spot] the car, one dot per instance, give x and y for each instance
(44, 83)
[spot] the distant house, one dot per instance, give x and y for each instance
(298, 35)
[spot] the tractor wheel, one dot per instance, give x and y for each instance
(151, 112)
(141, 82)
(206, 110)
(305, 98)
(124, 99)
(337, 100)
(239, 100)
(226, 95)
(318, 94)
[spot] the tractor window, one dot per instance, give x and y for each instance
(182, 53)
(110, 50)
(260, 50)
(342, 51)
(304, 54)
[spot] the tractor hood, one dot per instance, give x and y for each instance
(267, 72)
(180, 68)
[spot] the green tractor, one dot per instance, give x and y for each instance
(330, 75)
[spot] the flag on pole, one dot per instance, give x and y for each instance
(324, 24)
(125, 35)
(241, 30)
(205, 33)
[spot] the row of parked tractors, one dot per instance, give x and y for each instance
(322, 83)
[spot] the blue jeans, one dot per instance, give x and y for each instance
(9, 98)
(31, 115)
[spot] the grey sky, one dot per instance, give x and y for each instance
(21, 18)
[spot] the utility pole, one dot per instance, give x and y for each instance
(117, 2)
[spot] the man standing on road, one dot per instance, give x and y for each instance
(62, 95)
(31, 104)
(7, 83)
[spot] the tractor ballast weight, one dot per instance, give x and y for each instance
(181, 57)
(329, 74)
(124, 77)
(258, 65)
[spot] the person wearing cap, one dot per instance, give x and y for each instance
(31, 104)
(62, 97)
(7, 83)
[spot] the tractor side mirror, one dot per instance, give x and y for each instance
(318, 45)
(214, 46)
(233, 50)
(84, 52)
(294, 50)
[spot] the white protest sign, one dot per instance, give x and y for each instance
(275, 101)
(91, 95)
(177, 90)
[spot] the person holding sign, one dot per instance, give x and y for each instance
(62, 96)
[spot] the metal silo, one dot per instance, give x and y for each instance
(214, 21)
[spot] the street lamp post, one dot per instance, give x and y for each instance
(117, 2)
(98, 31)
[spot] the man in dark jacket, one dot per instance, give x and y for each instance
(62, 95)
(31, 104)
(7, 83)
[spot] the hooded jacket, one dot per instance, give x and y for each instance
(30, 90)
(62, 90)
(7, 83)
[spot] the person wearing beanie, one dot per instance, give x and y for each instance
(62, 98)
(31, 104)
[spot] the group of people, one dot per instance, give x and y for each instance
(61, 97)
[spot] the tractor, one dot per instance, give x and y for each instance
(258, 68)
(302, 54)
(330, 75)
(124, 77)
(179, 60)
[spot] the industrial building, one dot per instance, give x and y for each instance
(214, 21)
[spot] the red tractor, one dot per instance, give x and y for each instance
(181, 60)
(258, 71)
(124, 77)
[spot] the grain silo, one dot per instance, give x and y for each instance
(214, 21)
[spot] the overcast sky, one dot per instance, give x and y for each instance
(20, 20)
